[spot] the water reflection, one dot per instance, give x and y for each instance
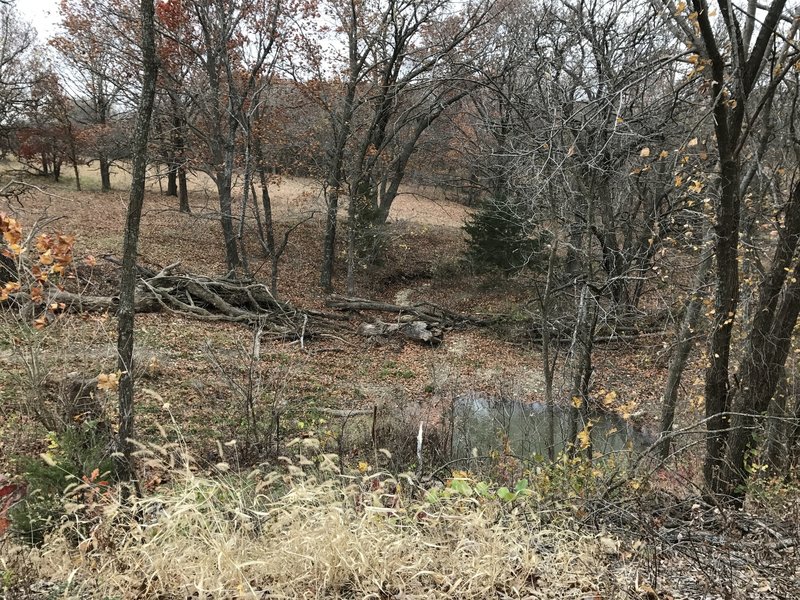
(483, 424)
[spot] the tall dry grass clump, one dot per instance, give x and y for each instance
(306, 531)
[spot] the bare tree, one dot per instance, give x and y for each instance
(741, 79)
(396, 76)
(94, 76)
(228, 74)
(17, 38)
(173, 103)
(578, 126)
(125, 314)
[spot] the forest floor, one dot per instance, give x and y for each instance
(191, 371)
(424, 262)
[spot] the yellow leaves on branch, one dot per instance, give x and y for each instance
(585, 437)
(647, 152)
(696, 187)
(54, 250)
(627, 410)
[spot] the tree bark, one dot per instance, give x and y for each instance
(732, 79)
(353, 226)
(183, 191)
(224, 185)
(172, 180)
(717, 385)
(125, 314)
(105, 174)
(768, 346)
(267, 233)
(179, 155)
(329, 244)
(580, 359)
(77, 175)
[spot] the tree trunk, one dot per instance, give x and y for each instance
(268, 233)
(793, 441)
(183, 191)
(776, 453)
(717, 386)
(732, 77)
(77, 175)
(179, 155)
(73, 153)
(341, 125)
(125, 314)
(352, 232)
(226, 219)
(761, 373)
(172, 180)
(548, 361)
(329, 244)
(105, 174)
(580, 359)
(768, 346)
(240, 238)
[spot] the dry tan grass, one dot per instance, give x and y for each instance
(304, 533)
(291, 196)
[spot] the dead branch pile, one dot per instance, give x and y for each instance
(417, 331)
(437, 319)
(430, 313)
(197, 297)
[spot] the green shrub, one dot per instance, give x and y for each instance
(74, 455)
(371, 238)
(503, 235)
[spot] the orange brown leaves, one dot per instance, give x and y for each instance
(37, 262)
(12, 236)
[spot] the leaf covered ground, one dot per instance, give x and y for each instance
(194, 377)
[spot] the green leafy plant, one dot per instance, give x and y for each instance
(77, 456)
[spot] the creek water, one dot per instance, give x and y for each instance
(483, 424)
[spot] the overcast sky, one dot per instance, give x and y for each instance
(42, 14)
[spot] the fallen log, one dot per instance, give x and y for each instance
(344, 413)
(423, 311)
(79, 303)
(188, 295)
